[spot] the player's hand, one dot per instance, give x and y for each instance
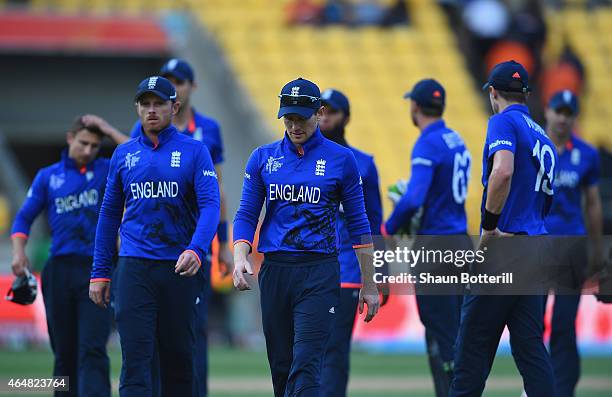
(369, 295)
(20, 263)
(241, 266)
(91, 120)
(488, 235)
(99, 293)
(226, 260)
(383, 290)
(187, 264)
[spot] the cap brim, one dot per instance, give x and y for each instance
(154, 92)
(176, 74)
(408, 95)
(486, 85)
(299, 110)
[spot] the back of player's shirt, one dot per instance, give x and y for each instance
(535, 157)
(444, 151)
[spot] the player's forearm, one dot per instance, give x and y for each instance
(499, 183)
(19, 244)
(365, 258)
(594, 219)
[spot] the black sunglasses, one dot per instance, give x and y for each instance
(297, 100)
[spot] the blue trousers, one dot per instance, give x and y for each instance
(201, 347)
(440, 315)
(156, 307)
(483, 319)
(78, 329)
(298, 305)
(563, 347)
(336, 363)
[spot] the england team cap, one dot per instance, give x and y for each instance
(301, 97)
(160, 86)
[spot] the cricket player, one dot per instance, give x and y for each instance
(204, 129)
(167, 183)
(438, 184)
(333, 120)
(70, 191)
(302, 178)
(518, 173)
(577, 179)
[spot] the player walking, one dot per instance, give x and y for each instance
(577, 176)
(167, 184)
(518, 174)
(438, 184)
(71, 193)
(333, 120)
(303, 178)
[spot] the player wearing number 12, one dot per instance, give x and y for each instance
(518, 173)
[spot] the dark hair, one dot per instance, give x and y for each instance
(78, 125)
(513, 96)
(432, 111)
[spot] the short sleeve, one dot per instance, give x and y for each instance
(501, 135)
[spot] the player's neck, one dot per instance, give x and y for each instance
(560, 140)
(425, 122)
(183, 117)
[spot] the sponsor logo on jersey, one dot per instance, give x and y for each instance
(500, 142)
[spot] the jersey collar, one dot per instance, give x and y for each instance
(192, 126)
(70, 163)
(436, 125)
(163, 137)
(315, 140)
(518, 107)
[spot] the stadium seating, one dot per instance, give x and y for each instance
(373, 66)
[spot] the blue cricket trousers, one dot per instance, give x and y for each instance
(155, 307)
(336, 363)
(201, 348)
(78, 329)
(483, 318)
(299, 296)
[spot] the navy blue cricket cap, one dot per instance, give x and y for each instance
(160, 86)
(177, 68)
(564, 99)
(336, 100)
(508, 76)
(301, 97)
(428, 93)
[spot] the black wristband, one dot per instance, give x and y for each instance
(489, 220)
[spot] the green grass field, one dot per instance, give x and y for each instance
(242, 373)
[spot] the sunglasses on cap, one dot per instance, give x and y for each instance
(297, 100)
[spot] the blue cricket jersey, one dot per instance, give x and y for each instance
(535, 158)
(302, 191)
(71, 197)
(577, 168)
(438, 182)
(201, 128)
(171, 199)
(350, 272)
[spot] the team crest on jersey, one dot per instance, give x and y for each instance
(175, 159)
(273, 165)
(575, 156)
(320, 167)
(56, 181)
(89, 175)
(131, 159)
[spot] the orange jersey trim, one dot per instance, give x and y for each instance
(363, 245)
(350, 285)
(100, 280)
(244, 241)
(19, 235)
